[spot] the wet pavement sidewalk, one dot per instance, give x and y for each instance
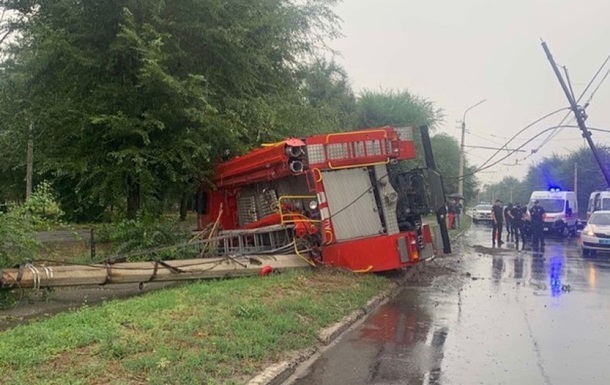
(484, 316)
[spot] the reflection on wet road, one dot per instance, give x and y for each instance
(502, 316)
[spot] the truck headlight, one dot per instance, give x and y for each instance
(313, 205)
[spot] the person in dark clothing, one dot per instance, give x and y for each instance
(537, 214)
(497, 215)
(517, 215)
(510, 234)
(458, 214)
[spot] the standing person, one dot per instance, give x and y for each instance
(458, 213)
(517, 215)
(537, 214)
(497, 215)
(509, 222)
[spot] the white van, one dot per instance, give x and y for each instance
(561, 209)
(598, 200)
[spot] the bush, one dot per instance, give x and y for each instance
(41, 209)
(138, 235)
(17, 240)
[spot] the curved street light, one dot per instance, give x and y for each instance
(462, 156)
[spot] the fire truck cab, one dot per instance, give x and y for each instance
(345, 197)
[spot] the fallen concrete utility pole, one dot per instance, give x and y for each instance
(39, 276)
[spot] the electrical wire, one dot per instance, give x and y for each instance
(521, 146)
(597, 88)
(486, 139)
(556, 131)
(521, 131)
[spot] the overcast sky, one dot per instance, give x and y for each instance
(458, 52)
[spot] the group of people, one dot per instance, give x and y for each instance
(519, 223)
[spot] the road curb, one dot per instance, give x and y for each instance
(276, 374)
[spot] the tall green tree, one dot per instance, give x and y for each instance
(560, 171)
(557, 170)
(509, 189)
(402, 109)
(398, 108)
(589, 176)
(447, 155)
(133, 100)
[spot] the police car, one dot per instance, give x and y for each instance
(596, 235)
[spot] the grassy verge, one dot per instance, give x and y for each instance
(206, 333)
(466, 222)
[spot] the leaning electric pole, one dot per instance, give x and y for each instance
(579, 112)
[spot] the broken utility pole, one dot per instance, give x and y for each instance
(580, 113)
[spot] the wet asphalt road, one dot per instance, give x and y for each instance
(495, 316)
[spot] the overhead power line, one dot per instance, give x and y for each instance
(523, 129)
(556, 131)
(494, 148)
(597, 88)
(481, 168)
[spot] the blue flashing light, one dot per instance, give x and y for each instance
(554, 188)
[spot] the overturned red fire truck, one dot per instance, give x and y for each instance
(342, 199)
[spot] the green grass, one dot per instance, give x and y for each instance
(217, 332)
(466, 222)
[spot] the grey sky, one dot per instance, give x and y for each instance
(457, 52)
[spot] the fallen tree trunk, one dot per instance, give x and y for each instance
(37, 276)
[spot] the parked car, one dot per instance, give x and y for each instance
(596, 235)
(482, 213)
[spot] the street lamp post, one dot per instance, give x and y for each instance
(462, 159)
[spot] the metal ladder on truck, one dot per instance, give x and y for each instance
(275, 239)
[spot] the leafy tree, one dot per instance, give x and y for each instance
(397, 108)
(447, 155)
(326, 102)
(509, 189)
(17, 242)
(402, 109)
(590, 177)
(557, 170)
(134, 100)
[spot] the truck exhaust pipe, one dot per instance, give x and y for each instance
(294, 152)
(296, 166)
